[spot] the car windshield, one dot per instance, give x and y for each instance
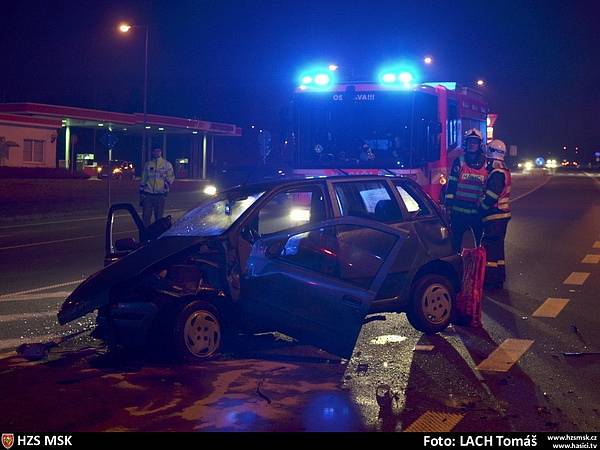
(215, 217)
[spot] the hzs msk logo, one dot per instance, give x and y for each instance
(8, 439)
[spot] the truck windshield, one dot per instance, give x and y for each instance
(215, 217)
(379, 129)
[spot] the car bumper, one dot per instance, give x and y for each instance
(126, 324)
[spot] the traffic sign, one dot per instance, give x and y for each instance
(109, 139)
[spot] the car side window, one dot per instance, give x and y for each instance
(314, 250)
(361, 253)
(290, 209)
(369, 200)
(415, 205)
(352, 253)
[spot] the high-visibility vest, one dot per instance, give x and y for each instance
(501, 209)
(469, 188)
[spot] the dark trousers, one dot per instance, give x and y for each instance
(152, 203)
(493, 240)
(461, 223)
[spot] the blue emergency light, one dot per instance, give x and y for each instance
(318, 78)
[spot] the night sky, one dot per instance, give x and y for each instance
(238, 61)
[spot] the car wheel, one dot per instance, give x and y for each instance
(430, 308)
(197, 332)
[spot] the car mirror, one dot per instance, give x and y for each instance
(126, 244)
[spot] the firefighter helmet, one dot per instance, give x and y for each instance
(474, 134)
(496, 150)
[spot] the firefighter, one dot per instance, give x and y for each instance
(495, 212)
(465, 189)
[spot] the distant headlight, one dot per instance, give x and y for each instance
(300, 215)
(528, 165)
(117, 170)
(99, 169)
(210, 190)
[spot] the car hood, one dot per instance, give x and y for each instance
(93, 293)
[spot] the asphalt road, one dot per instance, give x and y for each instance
(458, 380)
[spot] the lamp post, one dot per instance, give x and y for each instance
(126, 28)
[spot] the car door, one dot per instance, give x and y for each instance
(316, 282)
(375, 200)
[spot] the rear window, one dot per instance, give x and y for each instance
(415, 204)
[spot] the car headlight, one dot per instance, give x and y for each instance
(210, 190)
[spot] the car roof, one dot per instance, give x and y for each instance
(267, 185)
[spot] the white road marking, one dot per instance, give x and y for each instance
(57, 241)
(40, 289)
(11, 343)
(50, 295)
(531, 191)
(18, 317)
(577, 278)
(84, 219)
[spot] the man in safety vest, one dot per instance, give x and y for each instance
(156, 181)
(495, 210)
(465, 189)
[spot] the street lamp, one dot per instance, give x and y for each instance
(126, 28)
(428, 60)
(480, 82)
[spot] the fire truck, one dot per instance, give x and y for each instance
(392, 126)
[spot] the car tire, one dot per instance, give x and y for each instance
(197, 332)
(431, 307)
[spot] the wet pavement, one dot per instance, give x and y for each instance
(510, 375)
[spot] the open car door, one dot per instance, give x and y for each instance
(316, 283)
(117, 248)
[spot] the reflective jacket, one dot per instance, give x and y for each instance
(495, 203)
(465, 187)
(157, 176)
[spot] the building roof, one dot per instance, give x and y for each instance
(57, 116)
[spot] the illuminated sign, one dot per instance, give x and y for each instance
(357, 97)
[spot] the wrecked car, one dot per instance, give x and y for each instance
(309, 258)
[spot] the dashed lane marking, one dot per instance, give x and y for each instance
(435, 422)
(591, 259)
(551, 307)
(505, 356)
(577, 278)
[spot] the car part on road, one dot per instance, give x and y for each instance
(39, 350)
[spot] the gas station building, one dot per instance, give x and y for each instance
(43, 135)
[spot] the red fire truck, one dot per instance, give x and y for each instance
(392, 126)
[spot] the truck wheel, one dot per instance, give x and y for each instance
(430, 308)
(197, 332)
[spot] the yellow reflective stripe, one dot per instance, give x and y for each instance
(453, 178)
(450, 196)
(484, 206)
(503, 201)
(491, 264)
(496, 217)
(492, 194)
(464, 210)
(501, 262)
